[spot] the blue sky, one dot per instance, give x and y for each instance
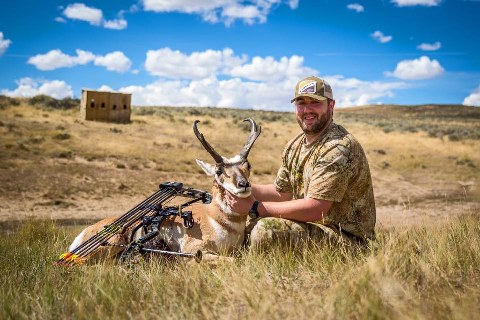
(243, 54)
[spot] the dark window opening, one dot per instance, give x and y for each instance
(103, 104)
(114, 106)
(92, 104)
(124, 106)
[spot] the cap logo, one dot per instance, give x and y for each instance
(310, 87)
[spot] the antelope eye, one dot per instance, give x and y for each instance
(219, 171)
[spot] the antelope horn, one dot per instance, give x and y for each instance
(218, 158)
(254, 133)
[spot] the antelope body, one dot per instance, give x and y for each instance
(216, 228)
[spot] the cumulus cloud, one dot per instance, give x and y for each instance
(417, 69)
(429, 46)
(223, 79)
(239, 93)
(4, 43)
(28, 87)
(174, 64)
(105, 88)
(54, 59)
(356, 92)
(79, 11)
(225, 11)
(114, 61)
(214, 92)
(409, 3)
(380, 37)
(117, 24)
(356, 7)
(473, 99)
(94, 16)
(270, 70)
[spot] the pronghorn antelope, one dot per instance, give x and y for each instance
(216, 229)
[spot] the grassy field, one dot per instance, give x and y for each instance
(58, 173)
(419, 273)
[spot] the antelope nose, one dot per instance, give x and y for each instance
(244, 184)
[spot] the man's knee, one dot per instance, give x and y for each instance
(267, 231)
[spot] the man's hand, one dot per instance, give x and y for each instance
(239, 205)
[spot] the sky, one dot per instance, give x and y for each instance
(243, 54)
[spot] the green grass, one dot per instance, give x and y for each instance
(419, 273)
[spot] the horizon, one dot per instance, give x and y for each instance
(244, 54)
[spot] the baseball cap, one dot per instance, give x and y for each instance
(313, 87)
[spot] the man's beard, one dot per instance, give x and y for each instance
(320, 125)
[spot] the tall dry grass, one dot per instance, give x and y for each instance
(419, 273)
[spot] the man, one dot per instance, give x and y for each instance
(323, 187)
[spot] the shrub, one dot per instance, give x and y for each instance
(7, 101)
(49, 102)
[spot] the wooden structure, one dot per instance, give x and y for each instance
(105, 106)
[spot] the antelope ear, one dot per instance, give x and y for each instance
(207, 167)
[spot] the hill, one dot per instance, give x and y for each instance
(53, 165)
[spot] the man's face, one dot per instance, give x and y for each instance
(312, 115)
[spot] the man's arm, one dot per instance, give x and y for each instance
(303, 210)
(268, 192)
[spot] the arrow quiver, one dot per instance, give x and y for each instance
(149, 214)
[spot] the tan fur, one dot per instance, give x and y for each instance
(213, 230)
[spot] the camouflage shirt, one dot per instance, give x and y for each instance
(334, 168)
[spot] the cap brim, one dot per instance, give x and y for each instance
(311, 96)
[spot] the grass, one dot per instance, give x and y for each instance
(419, 273)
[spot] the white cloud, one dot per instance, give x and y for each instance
(114, 61)
(28, 87)
(54, 59)
(105, 88)
(473, 99)
(270, 70)
(417, 69)
(429, 46)
(117, 24)
(172, 64)
(380, 37)
(223, 79)
(356, 92)
(60, 19)
(409, 3)
(79, 11)
(213, 92)
(293, 4)
(177, 65)
(226, 11)
(249, 14)
(4, 43)
(356, 7)
(253, 95)
(94, 16)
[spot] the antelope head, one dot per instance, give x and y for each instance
(230, 174)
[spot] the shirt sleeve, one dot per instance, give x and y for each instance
(282, 181)
(331, 174)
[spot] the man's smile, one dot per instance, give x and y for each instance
(310, 118)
